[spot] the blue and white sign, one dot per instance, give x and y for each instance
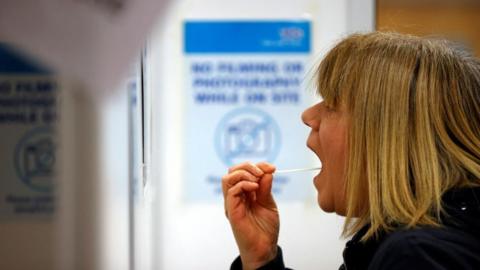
(28, 114)
(244, 101)
(247, 133)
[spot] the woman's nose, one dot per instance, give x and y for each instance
(308, 116)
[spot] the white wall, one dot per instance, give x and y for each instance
(197, 236)
(93, 227)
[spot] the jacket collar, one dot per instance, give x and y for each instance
(462, 210)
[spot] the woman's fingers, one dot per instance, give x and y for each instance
(248, 182)
(247, 166)
(235, 198)
(233, 178)
(238, 174)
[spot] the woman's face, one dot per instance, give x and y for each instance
(327, 140)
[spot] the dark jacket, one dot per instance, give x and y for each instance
(455, 245)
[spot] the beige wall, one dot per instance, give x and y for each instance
(26, 245)
(458, 20)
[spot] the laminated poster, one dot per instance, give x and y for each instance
(244, 99)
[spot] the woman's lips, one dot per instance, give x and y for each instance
(316, 181)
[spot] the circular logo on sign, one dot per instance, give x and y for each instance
(35, 159)
(247, 134)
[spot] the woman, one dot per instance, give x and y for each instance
(398, 135)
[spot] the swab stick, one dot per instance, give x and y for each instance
(299, 170)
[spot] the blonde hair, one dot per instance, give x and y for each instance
(414, 114)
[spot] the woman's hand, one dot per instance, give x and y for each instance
(252, 212)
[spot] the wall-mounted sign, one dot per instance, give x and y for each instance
(244, 101)
(28, 112)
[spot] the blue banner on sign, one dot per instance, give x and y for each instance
(247, 37)
(14, 62)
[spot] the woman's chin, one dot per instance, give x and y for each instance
(331, 207)
(324, 205)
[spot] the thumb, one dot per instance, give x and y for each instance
(266, 167)
(264, 191)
